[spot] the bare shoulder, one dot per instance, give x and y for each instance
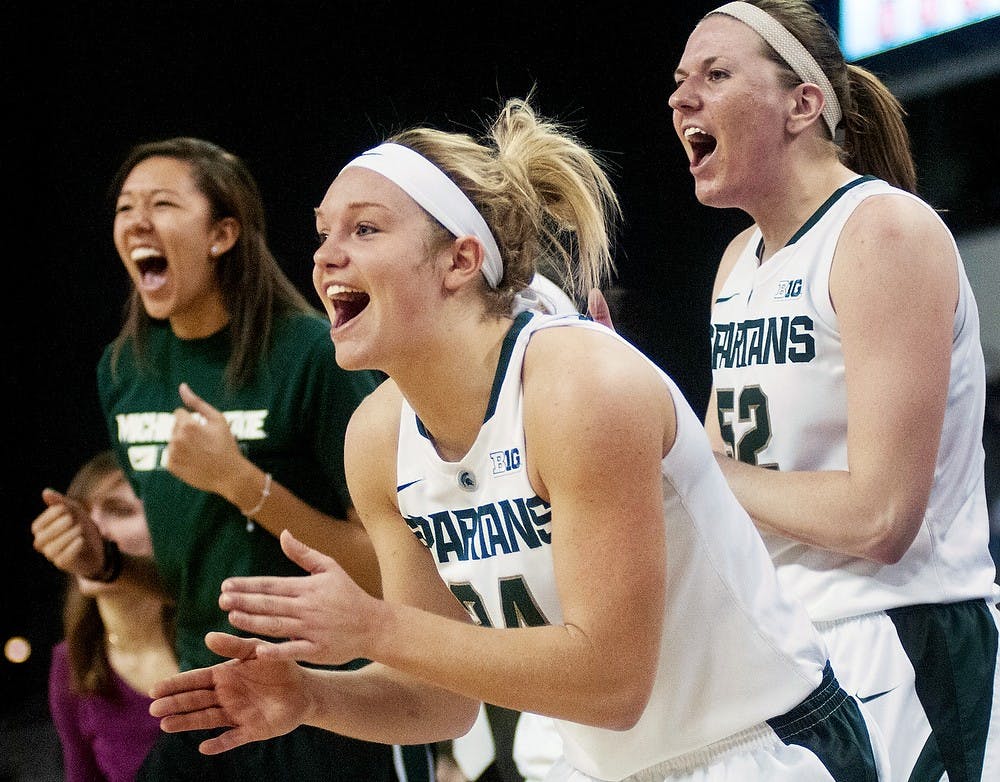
(896, 240)
(371, 439)
(379, 410)
(572, 358)
(594, 409)
(894, 211)
(897, 220)
(590, 378)
(729, 258)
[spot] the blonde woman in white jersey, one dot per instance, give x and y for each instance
(848, 377)
(553, 532)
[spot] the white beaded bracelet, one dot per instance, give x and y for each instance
(264, 494)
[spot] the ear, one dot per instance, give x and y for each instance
(224, 235)
(807, 108)
(465, 262)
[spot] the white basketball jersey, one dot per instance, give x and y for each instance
(734, 650)
(778, 370)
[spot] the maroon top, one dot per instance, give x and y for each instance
(103, 739)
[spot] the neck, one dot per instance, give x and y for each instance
(131, 622)
(787, 207)
(137, 646)
(450, 391)
(204, 319)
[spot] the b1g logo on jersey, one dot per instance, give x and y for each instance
(506, 461)
(788, 289)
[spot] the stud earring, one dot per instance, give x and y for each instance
(214, 250)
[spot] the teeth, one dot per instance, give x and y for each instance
(339, 290)
(693, 132)
(140, 253)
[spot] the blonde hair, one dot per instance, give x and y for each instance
(544, 195)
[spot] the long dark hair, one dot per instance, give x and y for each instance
(254, 288)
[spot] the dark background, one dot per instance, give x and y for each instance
(297, 89)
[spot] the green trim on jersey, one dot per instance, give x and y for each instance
(822, 210)
(829, 724)
(505, 353)
(501, 371)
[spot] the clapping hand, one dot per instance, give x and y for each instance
(255, 698)
(326, 617)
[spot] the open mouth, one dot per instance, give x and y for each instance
(702, 144)
(152, 266)
(347, 303)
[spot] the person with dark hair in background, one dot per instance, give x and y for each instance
(226, 406)
(118, 638)
(848, 376)
(554, 534)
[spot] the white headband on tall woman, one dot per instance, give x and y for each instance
(791, 51)
(430, 187)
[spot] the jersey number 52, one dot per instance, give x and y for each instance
(752, 409)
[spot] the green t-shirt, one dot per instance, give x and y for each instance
(289, 420)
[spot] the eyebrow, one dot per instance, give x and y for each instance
(358, 205)
(705, 64)
(154, 191)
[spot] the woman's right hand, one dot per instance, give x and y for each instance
(255, 699)
(66, 535)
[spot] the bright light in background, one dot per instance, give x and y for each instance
(17, 649)
(868, 27)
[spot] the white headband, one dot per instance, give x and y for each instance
(430, 187)
(791, 51)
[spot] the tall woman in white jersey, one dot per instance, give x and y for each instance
(553, 532)
(849, 380)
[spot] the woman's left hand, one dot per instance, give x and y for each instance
(326, 616)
